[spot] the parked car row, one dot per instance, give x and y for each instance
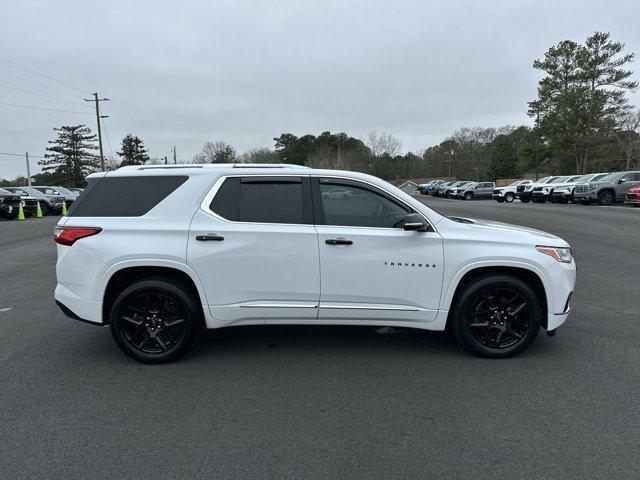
(602, 188)
(50, 199)
(465, 189)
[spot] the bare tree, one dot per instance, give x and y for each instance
(259, 155)
(382, 142)
(627, 134)
(215, 152)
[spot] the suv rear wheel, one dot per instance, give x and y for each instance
(606, 198)
(497, 316)
(155, 320)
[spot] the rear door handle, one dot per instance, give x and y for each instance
(338, 241)
(210, 237)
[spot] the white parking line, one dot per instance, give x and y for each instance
(5, 309)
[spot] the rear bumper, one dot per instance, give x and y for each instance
(77, 307)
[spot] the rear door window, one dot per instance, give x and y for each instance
(256, 199)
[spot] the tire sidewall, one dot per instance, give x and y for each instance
(509, 197)
(179, 295)
(462, 330)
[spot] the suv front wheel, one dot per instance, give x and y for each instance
(496, 316)
(606, 198)
(155, 320)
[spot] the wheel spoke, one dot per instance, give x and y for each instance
(480, 324)
(514, 311)
(172, 323)
(159, 341)
(513, 333)
(132, 320)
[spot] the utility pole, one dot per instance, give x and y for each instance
(174, 156)
(26, 156)
(98, 117)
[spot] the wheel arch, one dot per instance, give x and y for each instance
(527, 273)
(119, 276)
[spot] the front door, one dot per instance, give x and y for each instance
(255, 249)
(370, 267)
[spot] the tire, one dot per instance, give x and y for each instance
(500, 200)
(606, 198)
(163, 320)
(482, 302)
(45, 209)
(525, 199)
(468, 196)
(509, 197)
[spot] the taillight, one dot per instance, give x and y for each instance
(69, 235)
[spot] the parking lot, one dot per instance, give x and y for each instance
(329, 402)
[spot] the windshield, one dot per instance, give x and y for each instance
(19, 191)
(610, 177)
(5, 192)
(599, 176)
(558, 180)
(63, 190)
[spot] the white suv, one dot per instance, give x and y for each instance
(160, 252)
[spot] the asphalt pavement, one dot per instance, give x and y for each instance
(329, 402)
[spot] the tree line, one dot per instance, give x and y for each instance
(582, 122)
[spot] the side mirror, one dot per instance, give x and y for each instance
(621, 181)
(413, 221)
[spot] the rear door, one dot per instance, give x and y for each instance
(255, 248)
(370, 267)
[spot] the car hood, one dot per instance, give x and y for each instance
(513, 232)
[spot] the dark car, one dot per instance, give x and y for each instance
(10, 204)
(49, 204)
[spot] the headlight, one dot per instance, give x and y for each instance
(561, 254)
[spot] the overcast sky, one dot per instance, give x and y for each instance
(182, 73)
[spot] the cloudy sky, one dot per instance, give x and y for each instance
(182, 73)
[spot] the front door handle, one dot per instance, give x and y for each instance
(338, 241)
(209, 237)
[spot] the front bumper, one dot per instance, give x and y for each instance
(632, 199)
(591, 195)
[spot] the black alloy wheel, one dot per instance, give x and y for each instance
(155, 320)
(497, 316)
(468, 196)
(606, 198)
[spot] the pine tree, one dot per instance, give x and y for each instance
(70, 156)
(133, 151)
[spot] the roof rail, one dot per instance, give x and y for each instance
(267, 165)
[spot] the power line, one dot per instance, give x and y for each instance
(20, 155)
(38, 74)
(41, 95)
(43, 108)
(38, 83)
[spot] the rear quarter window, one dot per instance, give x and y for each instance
(124, 196)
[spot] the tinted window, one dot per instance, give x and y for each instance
(225, 203)
(270, 201)
(124, 196)
(351, 205)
